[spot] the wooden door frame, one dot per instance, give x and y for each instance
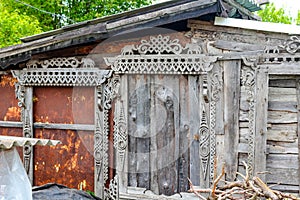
(68, 71)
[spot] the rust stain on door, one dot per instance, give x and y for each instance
(72, 162)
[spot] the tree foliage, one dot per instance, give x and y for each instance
(53, 14)
(272, 14)
(14, 25)
(20, 18)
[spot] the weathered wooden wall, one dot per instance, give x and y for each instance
(165, 114)
(282, 138)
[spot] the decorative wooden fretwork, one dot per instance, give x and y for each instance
(71, 71)
(112, 193)
(161, 55)
(248, 80)
(61, 72)
(287, 53)
(204, 144)
(216, 83)
(120, 133)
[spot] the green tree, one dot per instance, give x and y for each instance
(20, 18)
(298, 18)
(14, 25)
(272, 14)
(53, 14)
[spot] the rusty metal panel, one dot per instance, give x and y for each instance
(67, 105)
(9, 109)
(72, 162)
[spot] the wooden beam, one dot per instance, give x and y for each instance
(298, 128)
(231, 116)
(76, 127)
(260, 158)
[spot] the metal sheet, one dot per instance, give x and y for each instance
(7, 142)
(9, 109)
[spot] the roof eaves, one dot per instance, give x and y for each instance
(242, 9)
(111, 18)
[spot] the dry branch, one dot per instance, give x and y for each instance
(247, 188)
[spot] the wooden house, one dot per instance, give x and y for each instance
(146, 99)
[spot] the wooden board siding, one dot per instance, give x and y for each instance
(282, 135)
(161, 125)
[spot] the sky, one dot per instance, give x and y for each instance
(291, 6)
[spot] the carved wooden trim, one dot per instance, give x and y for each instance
(216, 84)
(248, 80)
(112, 193)
(71, 71)
(161, 55)
(292, 45)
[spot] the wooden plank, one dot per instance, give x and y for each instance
(155, 113)
(142, 132)
(237, 46)
(261, 108)
(282, 133)
(298, 130)
(282, 147)
(183, 156)
(282, 94)
(293, 189)
(281, 117)
(293, 69)
(194, 110)
(283, 83)
(132, 115)
(282, 176)
(289, 106)
(281, 160)
(244, 135)
(231, 116)
(122, 163)
(167, 94)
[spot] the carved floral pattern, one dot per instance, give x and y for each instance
(248, 81)
(143, 58)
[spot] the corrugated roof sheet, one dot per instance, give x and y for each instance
(7, 142)
(251, 5)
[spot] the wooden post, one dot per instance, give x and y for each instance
(261, 121)
(298, 127)
(231, 116)
(28, 132)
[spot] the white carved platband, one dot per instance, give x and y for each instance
(274, 58)
(161, 55)
(162, 64)
(61, 62)
(62, 77)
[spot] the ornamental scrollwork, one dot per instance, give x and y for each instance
(112, 193)
(204, 144)
(248, 81)
(27, 132)
(161, 55)
(292, 45)
(110, 91)
(61, 62)
(61, 72)
(120, 132)
(216, 85)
